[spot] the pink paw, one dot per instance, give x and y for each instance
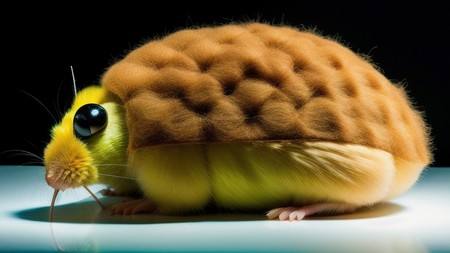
(298, 213)
(133, 207)
(287, 213)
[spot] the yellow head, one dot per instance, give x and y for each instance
(89, 146)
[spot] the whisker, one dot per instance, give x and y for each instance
(95, 197)
(21, 152)
(122, 177)
(32, 163)
(27, 154)
(45, 107)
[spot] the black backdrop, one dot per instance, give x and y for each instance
(408, 40)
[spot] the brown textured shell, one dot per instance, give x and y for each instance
(256, 82)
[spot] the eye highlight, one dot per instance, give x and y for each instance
(89, 119)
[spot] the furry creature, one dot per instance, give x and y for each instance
(245, 116)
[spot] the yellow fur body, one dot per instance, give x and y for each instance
(262, 176)
(237, 176)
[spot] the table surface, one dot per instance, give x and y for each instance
(418, 221)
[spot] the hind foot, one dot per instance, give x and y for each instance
(298, 213)
(133, 207)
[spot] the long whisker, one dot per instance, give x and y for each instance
(45, 107)
(122, 177)
(35, 159)
(32, 163)
(95, 197)
(55, 193)
(24, 153)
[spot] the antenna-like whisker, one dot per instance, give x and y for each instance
(55, 193)
(74, 84)
(95, 197)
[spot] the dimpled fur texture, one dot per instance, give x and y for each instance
(257, 82)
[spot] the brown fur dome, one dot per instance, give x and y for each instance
(255, 82)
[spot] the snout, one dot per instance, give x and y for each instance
(68, 163)
(53, 182)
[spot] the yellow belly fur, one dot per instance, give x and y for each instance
(261, 175)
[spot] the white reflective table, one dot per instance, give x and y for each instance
(418, 221)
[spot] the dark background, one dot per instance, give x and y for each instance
(408, 40)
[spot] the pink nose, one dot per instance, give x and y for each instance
(48, 179)
(54, 183)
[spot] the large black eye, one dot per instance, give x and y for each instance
(88, 120)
